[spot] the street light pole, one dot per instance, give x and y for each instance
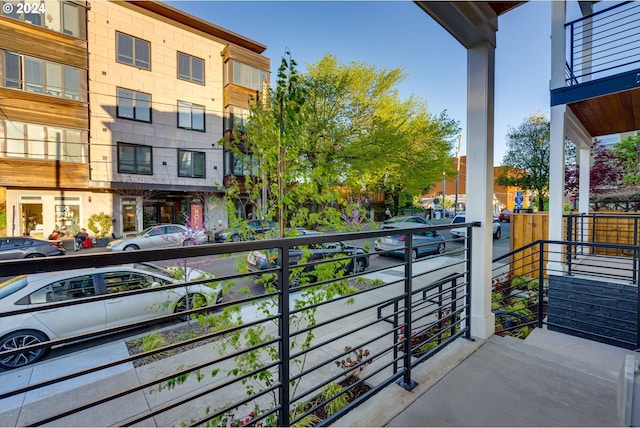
(458, 174)
(444, 209)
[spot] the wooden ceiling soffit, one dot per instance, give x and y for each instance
(468, 21)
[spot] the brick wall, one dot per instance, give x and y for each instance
(596, 310)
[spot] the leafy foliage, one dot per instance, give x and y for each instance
(628, 150)
(606, 173)
(526, 161)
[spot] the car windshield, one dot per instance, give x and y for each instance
(144, 231)
(458, 220)
(154, 269)
(12, 285)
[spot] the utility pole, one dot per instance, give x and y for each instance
(458, 174)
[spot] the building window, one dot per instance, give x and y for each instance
(60, 16)
(235, 118)
(133, 51)
(31, 141)
(134, 105)
(190, 116)
(42, 77)
(240, 164)
(190, 68)
(246, 75)
(134, 159)
(191, 164)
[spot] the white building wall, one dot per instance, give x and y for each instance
(163, 134)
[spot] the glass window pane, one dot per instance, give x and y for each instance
(125, 48)
(53, 21)
(197, 118)
(11, 70)
(55, 144)
(33, 75)
(198, 164)
(143, 160)
(36, 141)
(125, 103)
(75, 148)
(71, 83)
(184, 66)
(184, 115)
(142, 54)
(126, 158)
(54, 79)
(10, 12)
(184, 163)
(143, 107)
(197, 70)
(71, 19)
(35, 13)
(15, 139)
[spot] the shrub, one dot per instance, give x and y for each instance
(100, 224)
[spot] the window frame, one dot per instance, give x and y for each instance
(192, 108)
(136, 163)
(134, 103)
(120, 58)
(71, 17)
(190, 76)
(192, 164)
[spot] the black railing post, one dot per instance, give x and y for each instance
(541, 285)
(283, 327)
(406, 381)
(469, 287)
(636, 256)
(570, 219)
(454, 307)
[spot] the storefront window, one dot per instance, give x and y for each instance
(67, 218)
(129, 219)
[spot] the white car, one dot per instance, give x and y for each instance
(461, 232)
(36, 290)
(159, 236)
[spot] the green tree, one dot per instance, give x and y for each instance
(526, 161)
(628, 150)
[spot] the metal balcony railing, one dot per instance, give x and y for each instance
(315, 342)
(604, 43)
(588, 294)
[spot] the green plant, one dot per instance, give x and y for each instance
(355, 362)
(338, 401)
(100, 224)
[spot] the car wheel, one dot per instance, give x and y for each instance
(195, 301)
(414, 255)
(34, 255)
(235, 238)
(498, 233)
(131, 247)
(20, 339)
(441, 248)
(359, 265)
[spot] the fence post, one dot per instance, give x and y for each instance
(541, 285)
(468, 276)
(570, 219)
(283, 330)
(406, 381)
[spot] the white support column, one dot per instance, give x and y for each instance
(556, 185)
(556, 167)
(584, 188)
(480, 119)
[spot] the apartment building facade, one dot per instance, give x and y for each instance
(159, 90)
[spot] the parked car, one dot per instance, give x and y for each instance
(159, 236)
(461, 232)
(505, 215)
(36, 290)
(260, 260)
(409, 219)
(20, 247)
(250, 229)
(424, 242)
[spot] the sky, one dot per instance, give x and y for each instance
(392, 34)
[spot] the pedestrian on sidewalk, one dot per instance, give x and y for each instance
(387, 214)
(79, 239)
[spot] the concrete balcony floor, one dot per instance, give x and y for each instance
(549, 379)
